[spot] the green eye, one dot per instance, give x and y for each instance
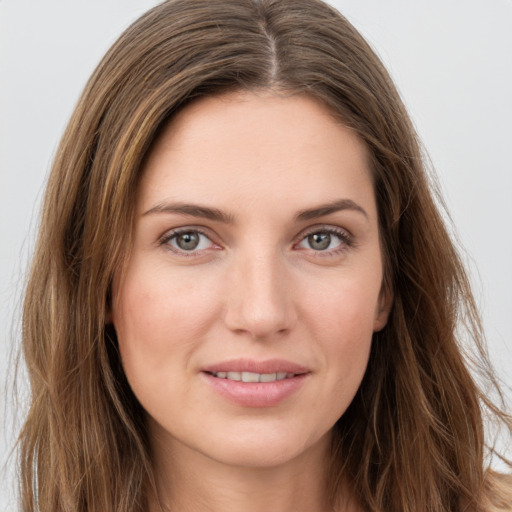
(319, 241)
(188, 241)
(326, 240)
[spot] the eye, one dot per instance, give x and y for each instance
(326, 240)
(187, 241)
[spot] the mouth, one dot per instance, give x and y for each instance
(250, 383)
(250, 370)
(253, 376)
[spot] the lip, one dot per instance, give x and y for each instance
(251, 365)
(256, 394)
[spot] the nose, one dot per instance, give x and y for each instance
(259, 297)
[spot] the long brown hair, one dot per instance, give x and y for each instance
(413, 438)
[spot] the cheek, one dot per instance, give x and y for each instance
(159, 318)
(345, 305)
(341, 320)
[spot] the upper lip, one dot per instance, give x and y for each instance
(250, 365)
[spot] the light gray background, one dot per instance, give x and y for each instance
(451, 59)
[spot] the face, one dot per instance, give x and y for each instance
(246, 312)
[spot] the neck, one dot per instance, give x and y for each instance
(188, 481)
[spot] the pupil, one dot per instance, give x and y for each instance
(188, 241)
(319, 241)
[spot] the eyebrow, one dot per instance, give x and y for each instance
(327, 209)
(206, 212)
(193, 210)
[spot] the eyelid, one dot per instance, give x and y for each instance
(171, 233)
(330, 228)
(347, 239)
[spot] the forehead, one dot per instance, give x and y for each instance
(244, 147)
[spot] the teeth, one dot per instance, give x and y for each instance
(250, 377)
(254, 377)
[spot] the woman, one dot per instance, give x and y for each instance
(243, 294)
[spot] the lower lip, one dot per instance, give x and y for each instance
(256, 394)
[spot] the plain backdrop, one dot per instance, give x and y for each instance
(451, 60)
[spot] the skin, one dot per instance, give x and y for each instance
(256, 287)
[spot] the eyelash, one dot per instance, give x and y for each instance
(167, 237)
(346, 240)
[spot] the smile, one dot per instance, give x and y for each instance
(250, 383)
(253, 377)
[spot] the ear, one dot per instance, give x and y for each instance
(383, 308)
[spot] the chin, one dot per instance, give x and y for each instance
(266, 449)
